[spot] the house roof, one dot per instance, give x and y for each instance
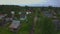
(56, 21)
(22, 16)
(47, 13)
(1, 16)
(15, 24)
(29, 10)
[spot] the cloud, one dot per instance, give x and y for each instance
(31, 2)
(17, 2)
(54, 3)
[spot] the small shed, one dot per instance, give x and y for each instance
(14, 25)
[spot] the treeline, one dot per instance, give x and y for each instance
(18, 8)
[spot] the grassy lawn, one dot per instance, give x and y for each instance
(5, 30)
(58, 32)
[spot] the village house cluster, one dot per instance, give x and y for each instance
(54, 17)
(14, 23)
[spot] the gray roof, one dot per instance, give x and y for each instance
(7, 19)
(22, 16)
(57, 24)
(15, 24)
(48, 14)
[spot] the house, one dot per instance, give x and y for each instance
(23, 16)
(2, 15)
(28, 12)
(2, 22)
(2, 19)
(9, 19)
(19, 12)
(55, 17)
(47, 14)
(12, 12)
(57, 24)
(14, 25)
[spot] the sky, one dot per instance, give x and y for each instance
(55, 3)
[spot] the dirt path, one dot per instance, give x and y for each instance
(33, 25)
(35, 20)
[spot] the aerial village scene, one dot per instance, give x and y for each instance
(15, 19)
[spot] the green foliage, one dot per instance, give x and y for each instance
(47, 26)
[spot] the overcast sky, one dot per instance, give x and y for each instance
(31, 2)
